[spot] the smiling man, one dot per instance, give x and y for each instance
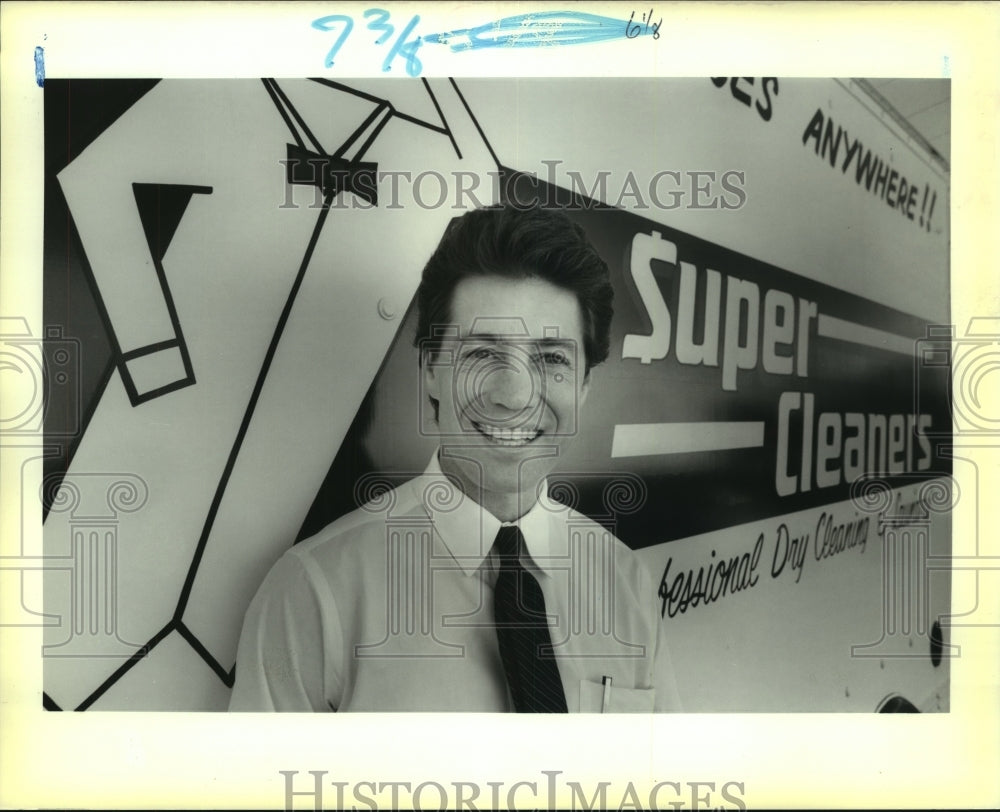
(507, 395)
(468, 588)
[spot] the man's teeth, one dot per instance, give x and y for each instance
(509, 436)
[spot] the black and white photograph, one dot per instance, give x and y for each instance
(403, 386)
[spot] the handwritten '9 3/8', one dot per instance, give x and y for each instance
(378, 20)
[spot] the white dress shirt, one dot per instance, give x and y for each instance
(390, 608)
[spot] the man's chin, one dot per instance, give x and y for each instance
(500, 470)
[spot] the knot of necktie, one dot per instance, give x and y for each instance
(508, 546)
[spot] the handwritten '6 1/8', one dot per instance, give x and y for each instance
(378, 20)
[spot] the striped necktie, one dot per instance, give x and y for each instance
(523, 632)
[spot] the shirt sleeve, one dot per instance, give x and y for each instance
(288, 649)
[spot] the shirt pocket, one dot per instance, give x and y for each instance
(619, 699)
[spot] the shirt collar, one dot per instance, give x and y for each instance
(468, 529)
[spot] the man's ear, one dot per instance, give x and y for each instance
(584, 388)
(432, 380)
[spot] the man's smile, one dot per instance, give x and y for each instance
(510, 438)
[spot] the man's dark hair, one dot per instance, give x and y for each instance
(519, 243)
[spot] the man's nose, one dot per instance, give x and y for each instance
(512, 386)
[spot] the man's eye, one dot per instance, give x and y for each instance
(556, 358)
(479, 353)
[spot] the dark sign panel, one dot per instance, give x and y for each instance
(734, 391)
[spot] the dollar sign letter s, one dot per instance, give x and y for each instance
(645, 248)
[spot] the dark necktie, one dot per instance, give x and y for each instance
(523, 633)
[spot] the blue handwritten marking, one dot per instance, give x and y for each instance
(378, 21)
(400, 47)
(325, 24)
(408, 50)
(520, 31)
(537, 30)
(40, 65)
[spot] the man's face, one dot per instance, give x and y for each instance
(509, 385)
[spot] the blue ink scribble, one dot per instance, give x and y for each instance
(40, 65)
(325, 24)
(534, 30)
